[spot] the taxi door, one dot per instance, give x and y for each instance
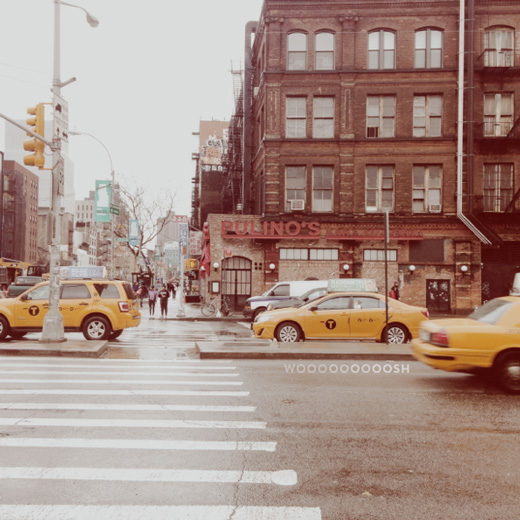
(75, 302)
(31, 310)
(329, 319)
(367, 318)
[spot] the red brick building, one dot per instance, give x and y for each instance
(358, 109)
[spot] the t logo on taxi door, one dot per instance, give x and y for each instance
(330, 324)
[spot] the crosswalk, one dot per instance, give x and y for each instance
(136, 439)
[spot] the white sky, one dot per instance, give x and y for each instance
(146, 76)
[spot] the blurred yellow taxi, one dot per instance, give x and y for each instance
(487, 340)
(342, 315)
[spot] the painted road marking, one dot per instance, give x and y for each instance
(70, 512)
(120, 382)
(126, 407)
(141, 444)
(174, 364)
(73, 391)
(119, 372)
(285, 477)
(130, 423)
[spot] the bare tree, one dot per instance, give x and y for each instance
(152, 212)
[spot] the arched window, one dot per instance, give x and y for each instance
(324, 49)
(381, 49)
(297, 51)
(428, 49)
(499, 47)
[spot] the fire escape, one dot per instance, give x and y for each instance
(232, 162)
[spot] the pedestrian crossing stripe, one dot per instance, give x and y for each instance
(74, 391)
(121, 382)
(126, 407)
(130, 423)
(140, 444)
(281, 477)
(120, 512)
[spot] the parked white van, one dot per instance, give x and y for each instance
(280, 291)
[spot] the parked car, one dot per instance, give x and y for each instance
(296, 301)
(21, 284)
(343, 315)
(488, 340)
(101, 309)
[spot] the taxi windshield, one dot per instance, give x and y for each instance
(491, 311)
(40, 293)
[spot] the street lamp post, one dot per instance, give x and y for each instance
(53, 323)
(111, 202)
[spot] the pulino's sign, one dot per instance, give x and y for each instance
(269, 229)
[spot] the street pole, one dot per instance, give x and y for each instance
(53, 323)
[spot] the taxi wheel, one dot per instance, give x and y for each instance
(96, 328)
(288, 333)
(396, 334)
(4, 328)
(115, 334)
(507, 372)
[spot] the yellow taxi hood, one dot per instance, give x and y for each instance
(451, 324)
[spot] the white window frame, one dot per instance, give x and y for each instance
(499, 45)
(324, 50)
(379, 188)
(294, 185)
(381, 50)
(427, 188)
(297, 51)
(322, 189)
(378, 255)
(381, 116)
(323, 117)
(295, 117)
(498, 186)
(427, 115)
(428, 53)
(499, 110)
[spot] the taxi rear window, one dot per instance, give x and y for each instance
(108, 291)
(75, 292)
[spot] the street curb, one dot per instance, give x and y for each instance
(88, 349)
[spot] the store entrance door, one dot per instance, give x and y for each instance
(236, 281)
(438, 299)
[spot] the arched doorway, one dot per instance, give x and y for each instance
(236, 280)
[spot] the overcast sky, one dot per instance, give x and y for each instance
(146, 76)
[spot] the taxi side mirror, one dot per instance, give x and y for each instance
(23, 297)
(314, 308)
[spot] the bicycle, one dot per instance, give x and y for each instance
(214, 306)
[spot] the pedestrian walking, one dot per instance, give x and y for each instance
(394, 291)
(163, 301)
(172, 289)
(152, 299)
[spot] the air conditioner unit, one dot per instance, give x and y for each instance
(435, 208)
(297, 204)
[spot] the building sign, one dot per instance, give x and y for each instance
(293, 229)
(195, 245)
(213, 151)
(133, 233)
(103, 197)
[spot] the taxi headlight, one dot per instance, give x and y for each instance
(261, 318)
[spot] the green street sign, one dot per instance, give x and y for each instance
(121, 239)
(114, 209)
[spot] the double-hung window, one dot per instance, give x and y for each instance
(380, 116)
(427, 189)
(428, 49)
(499, 47)
(323, 117)
(322, 184)
(498, 186)
(498, 114)
(427, 116)
(379, 188)
(381, 50)
(296, 51)
(295, 188)
(296, 117)
(324, 51)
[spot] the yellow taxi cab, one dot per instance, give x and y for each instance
(342, 315)
(99, 308)
(487, 340)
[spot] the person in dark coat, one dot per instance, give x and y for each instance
(163, 296)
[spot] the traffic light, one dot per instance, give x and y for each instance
(37, 122)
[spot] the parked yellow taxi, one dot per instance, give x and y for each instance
(99, 308)
(342, 315)
(487, 340)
